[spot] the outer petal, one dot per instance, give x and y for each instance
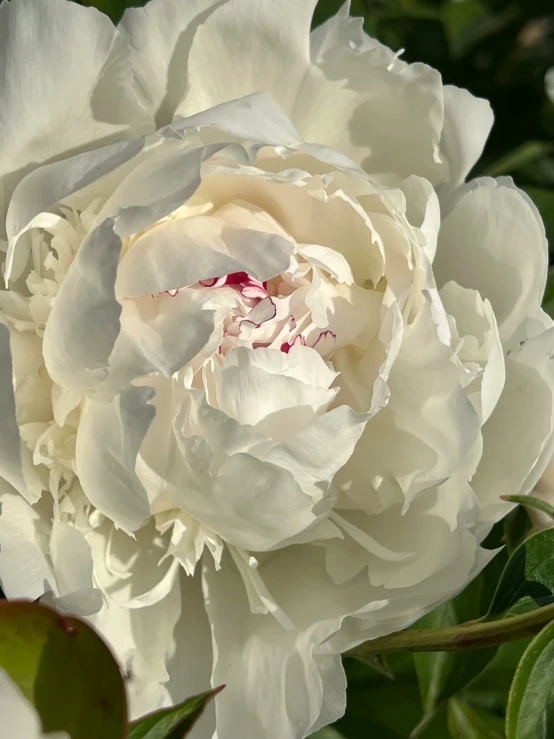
(519, 436)
(357, 97)
(180, 253)
(108, 440)
(493, 241)
(10, 443)
(24, 569)
(274, 60)
(77, 349)
(467, 124)
(42, 189)
(160, 36)
(274, 681)
(428, 430)
(65, 76)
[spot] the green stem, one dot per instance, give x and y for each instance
(473, 635)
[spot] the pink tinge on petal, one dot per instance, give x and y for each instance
(264, 311)
(213, 282)
(324, 342)
(253, 290)
(298, 340)
(172, 293)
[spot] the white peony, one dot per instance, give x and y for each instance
(19, 717)
(273, 363)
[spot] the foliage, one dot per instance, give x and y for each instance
(65, 670)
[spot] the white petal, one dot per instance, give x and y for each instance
(10, 442)
(160, 36)
(66, 85)
(142, 640)
(493, 241)
(428, 430)
(476, 325)
(267, 387)
(274, 60)
(189, 662)
(180, 253)
(71, 557)
(24, 569)
(84, 322)
(467, 124)
(108, 440)
(519, 436)
(274, 681)
(329, 259)
(252, 504)
(359, 98)
(43, 188)
(265, 122)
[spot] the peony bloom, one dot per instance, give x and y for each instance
(268, 364)
(19, 717)
(544, 490)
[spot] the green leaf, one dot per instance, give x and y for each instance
(523, 155)
(529, 573)
(64, 668)
(465, 722)
(463, 22)
(530, 713)
(516, 527)
(378, 663)
(175, 722)
(530, 502)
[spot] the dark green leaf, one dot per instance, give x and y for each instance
(63, 667)
(489, 691)
(378, 663)
(465, 722)
(516, 527)
(525, 154)
(529, 573)
(463, 23)
(530, 713)
(175, 722)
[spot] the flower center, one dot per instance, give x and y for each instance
(267, 314)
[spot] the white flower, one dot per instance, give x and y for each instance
(273, 363)
(19, 717)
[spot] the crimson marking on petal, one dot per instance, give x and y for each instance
(237, 278)
(324, 335)
(260, 314)
(286, 346)
(324, 342)
(172, 293)
(213, 282)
